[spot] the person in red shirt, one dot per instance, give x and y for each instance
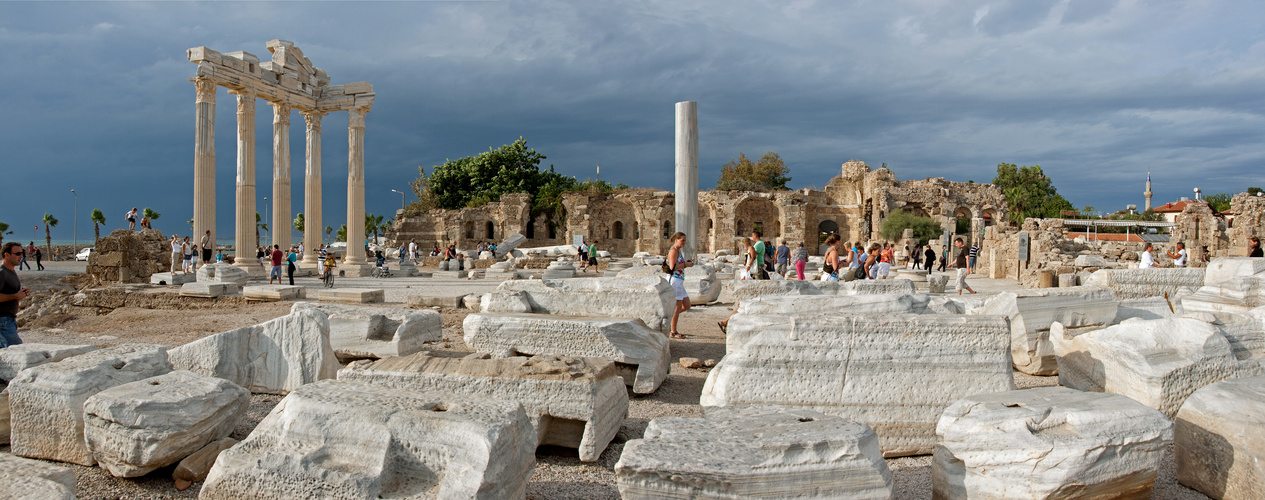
(276, 256)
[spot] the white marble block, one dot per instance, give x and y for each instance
(1227, 268)
(137, 427)
(624, 341)
(273, 357)
(169, 279)
(573, 402)
(1032, 311)
(1219, 439)
(1090, 261)
(34, 479)
(740, 290)
(895, 373)
(836, 304)
(1142, 283)
(353, 295)
(273, 293)
(222, 273)
(702, 284)
(16, 358)
(649, 299)
(1047, 443)
(46, 401)
(1155, 362)
(336, 439)
(377, 332)
(754, 452)
(1238, 295)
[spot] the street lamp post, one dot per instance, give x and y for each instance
(75, 248)
(267, 230)
(401, 198)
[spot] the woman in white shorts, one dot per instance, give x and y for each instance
(832, 259)
(677, 279)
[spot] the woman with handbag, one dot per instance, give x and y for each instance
(830, 270)
(676, 278)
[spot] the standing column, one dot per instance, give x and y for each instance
(686, 200)
(280, 224)
(204, 160)
(356, 190)
(312, 223)
(245, 242)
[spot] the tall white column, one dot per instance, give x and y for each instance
(281, 223)
(245, 242)
(204, 160)
(356, 190)
(686, 200)
(313, 226)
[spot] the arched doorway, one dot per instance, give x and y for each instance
(490, 233)
(825, 229)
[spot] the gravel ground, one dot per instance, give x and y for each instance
(558, 474)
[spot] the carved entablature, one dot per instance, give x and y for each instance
(289, 78)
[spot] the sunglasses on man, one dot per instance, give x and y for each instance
(19, 254)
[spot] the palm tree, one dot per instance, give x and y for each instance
(328, 230)
(150, 214)
(49, 221)
(298, 222)
(342, 234)
(373, 223)
(259, 224)
(4, 229)
(98, 218)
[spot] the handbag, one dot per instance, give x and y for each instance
(860, 273)
(666, 268)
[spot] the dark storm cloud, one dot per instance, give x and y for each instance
(1094, 91)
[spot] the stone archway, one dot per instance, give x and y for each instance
(762, 213)
(611, 223)
(826, 228)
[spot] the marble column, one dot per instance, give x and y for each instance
(313, 226)
(686, 200)
(204, 160)
(245, 242)
(355, 258)
(281, 223)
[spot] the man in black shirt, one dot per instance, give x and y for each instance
(11, 292)
(930, 261)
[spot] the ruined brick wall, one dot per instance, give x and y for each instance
(1249, 221)
(1198, 228)
(127, 256)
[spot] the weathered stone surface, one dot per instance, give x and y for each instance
(649, 299)
(274, 293)
(4, 416)
(1227, 268)
(137, 427)
(1219, 444)
(1147, 308)
(209, 289)
(377, 332)
(1032, 311)
(740, 290)
(1048, 442)
(573, 402)
(835, 304)
(16, 358)
(895, 373)
(1141, 283)
(505, 302)
(624, 341)
(222, 273)
(444, 301)
(129, 256)
(273, 357)
(24, 478)
(754, 452)
(1155, 362)
(46, 401)
(336, 439)
(195, 467)
(510, 243)
(1090, 261)
(169, 279)
(937, 283)
(1233, 295)
(353, 295)
(702, 284)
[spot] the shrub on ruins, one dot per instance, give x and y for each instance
(476, 180)
(1029, 193)
(925, 228)
(766, 174)
(1219, 202)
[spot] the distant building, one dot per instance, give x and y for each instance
(1172, 210)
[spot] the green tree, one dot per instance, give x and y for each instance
(298, 222)
(925, 228)
(150, 214)
(1254, 191)
(766, 174)
(425, 197)
(49, 222)
(373, 224)
(328, 230)
(342, 234)
(98, 218)
(1218, 201)
(259, 224)
(476, 180)
(1029, 193)
(4, 229)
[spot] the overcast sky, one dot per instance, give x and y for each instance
(96, 98)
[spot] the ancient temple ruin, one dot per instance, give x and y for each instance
(287, 82)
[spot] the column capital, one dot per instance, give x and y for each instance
(245, 101)
(280, 113)
(313, 120)
(205, 89)
(356, 117)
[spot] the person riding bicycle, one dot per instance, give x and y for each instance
(330, 264)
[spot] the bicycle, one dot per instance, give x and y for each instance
(381, 272)
(328, 279)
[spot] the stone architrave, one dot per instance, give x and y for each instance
(573, 402)
(625, 341)
(1047, 443)
(46, 401)
(281, 222)
(1032, 311)
(275, 357)
(649, 299)
(1218, 440)
(1158, 363)
(1142, 283)
(893, 372)
(755, 452)
(25, 478)
(377, 332)
(137, 427)
(16, 358)
(245, 230)
(686, 199)
(336, 439)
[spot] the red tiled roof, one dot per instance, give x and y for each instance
(1176, 206)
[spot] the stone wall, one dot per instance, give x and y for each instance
(1249, 221)
(1198, 228)
(853, 205)
(1049, 248)
(127, 256)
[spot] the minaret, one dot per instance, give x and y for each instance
(1148, 193)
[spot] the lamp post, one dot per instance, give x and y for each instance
(266, 219)
(401, 198)
(75, 248)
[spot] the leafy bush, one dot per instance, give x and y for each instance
(925, 228)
